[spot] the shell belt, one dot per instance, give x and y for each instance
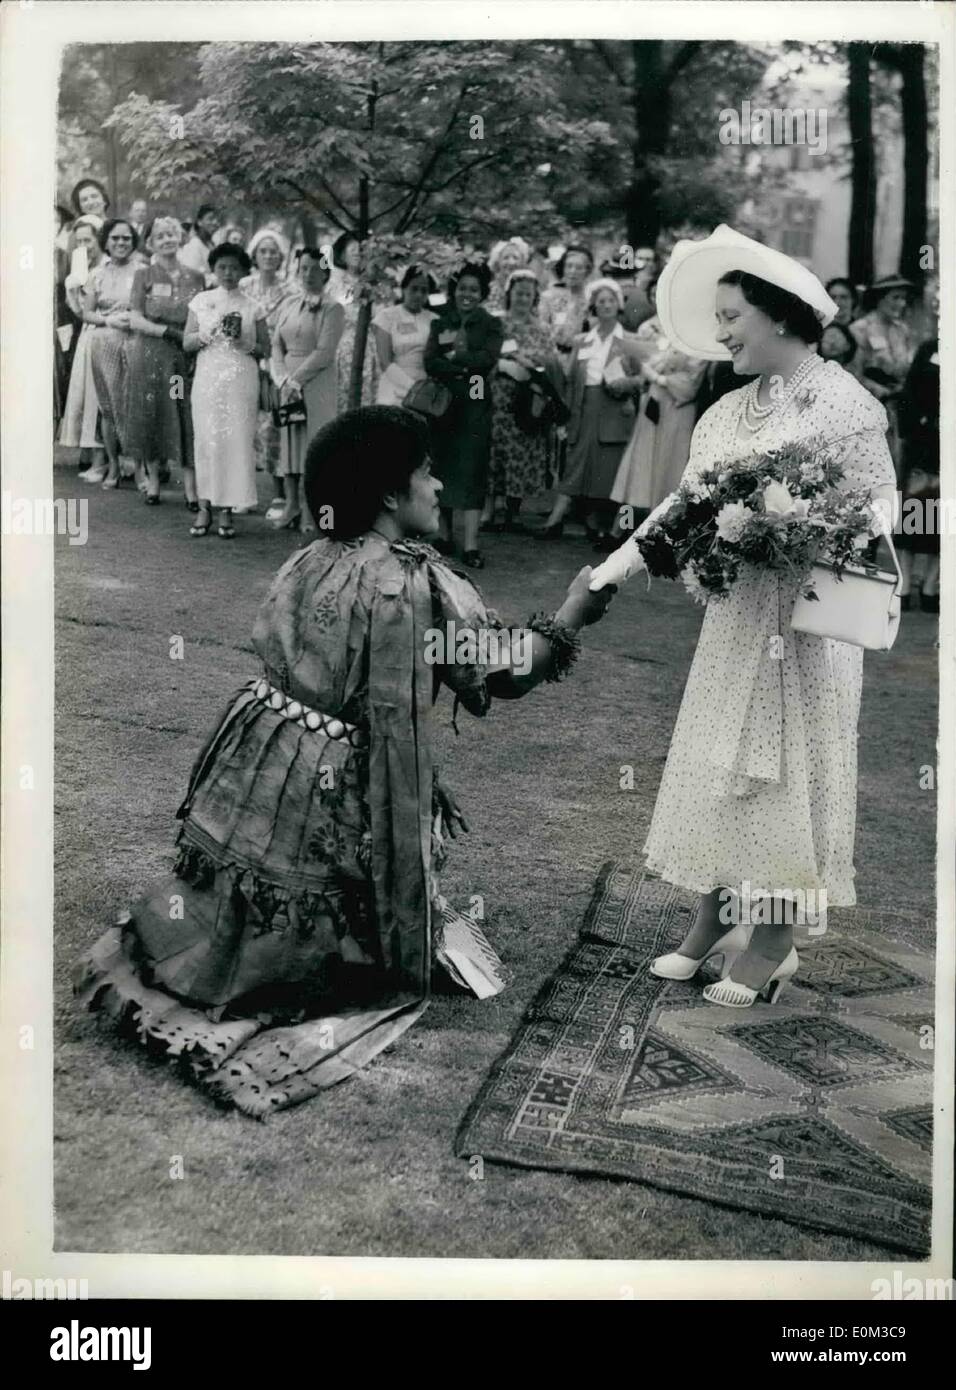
(310, 719)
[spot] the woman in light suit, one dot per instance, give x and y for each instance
(603, 378)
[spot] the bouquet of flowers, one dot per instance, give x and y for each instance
(783, 511)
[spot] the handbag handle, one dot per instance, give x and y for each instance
(884, 531)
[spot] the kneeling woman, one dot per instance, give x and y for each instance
(294, 939)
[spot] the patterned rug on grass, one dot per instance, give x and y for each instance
(816, 1109)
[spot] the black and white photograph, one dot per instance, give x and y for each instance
(492, 544)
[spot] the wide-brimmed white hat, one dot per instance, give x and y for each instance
(687, 288)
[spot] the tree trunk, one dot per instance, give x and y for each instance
(365, 305)
(863, 172)
(916, 135)
(651, 98)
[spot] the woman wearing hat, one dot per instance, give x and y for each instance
(506, 257)
(886, 347)
(269, 286)
(604, 377)
(759, 788)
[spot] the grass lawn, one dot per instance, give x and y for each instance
(367, 1168)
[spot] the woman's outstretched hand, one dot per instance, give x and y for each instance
(582, 607)
(618, 566)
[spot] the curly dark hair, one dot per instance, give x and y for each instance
(569, 250)
(478, 269)
(413, 273)
(230, 249)
(849, 342)
(781, 306)
(87, 183)
(340, 245)
(104, 233)
(356, 460)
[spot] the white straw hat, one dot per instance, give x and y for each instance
(687, 288)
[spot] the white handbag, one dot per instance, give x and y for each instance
(862, 607)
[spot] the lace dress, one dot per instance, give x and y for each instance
(760, 781)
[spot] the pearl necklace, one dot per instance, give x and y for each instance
(754, 415)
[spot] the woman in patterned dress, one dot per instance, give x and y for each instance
(519, 460)
(268, 286)
(886, 348)
(227, 330)
(79, 427)
(159, 423)
(314, 823)
(347, 288)
(304, 346)
(506, 257)
(656, 456)
(758, 796)
(105, 300)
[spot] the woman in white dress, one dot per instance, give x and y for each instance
(758, 795)
(270, 287)
(79, 426)
(228, 330)
(401, 332)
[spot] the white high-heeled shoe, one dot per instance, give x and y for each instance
(734, 996)
(674, 966)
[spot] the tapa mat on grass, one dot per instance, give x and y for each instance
(816, 1109)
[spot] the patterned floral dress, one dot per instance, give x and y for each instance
(270, 299)
(760, 781)
(519, 461)
(108, 291)
(344, 289)
(159, 423)
(308, 859)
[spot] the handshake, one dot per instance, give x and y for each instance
(581, 606)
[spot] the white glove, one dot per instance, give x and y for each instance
(618, 566)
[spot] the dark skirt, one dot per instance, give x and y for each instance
(591, 466)
(461, 453)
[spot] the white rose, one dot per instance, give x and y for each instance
(732, 520)
(777, 499)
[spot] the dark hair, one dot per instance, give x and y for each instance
(224, 250)
(848, 338)
(478, 269)
(203, 209)
(103, 235)
(65, 215)
(841, 280)
(412, 273)
(523, 276)
(356, 460)
(87, 183)
(581, 250)
(340, 246)
(314, 253)
(781, 306)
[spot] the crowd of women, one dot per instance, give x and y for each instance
(217, 355)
